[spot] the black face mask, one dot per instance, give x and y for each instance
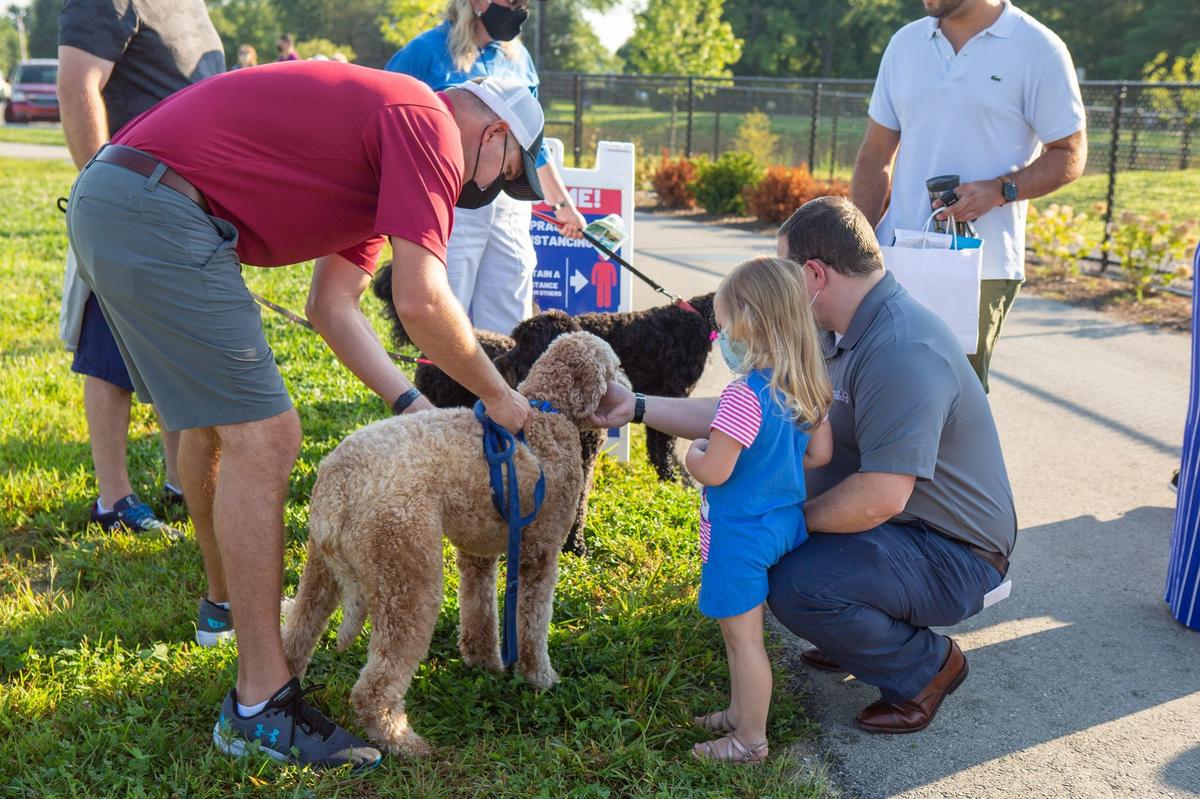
(502, 24)
(475, 196)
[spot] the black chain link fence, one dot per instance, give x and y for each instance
(1155, 128)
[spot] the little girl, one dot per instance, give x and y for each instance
(770, 426)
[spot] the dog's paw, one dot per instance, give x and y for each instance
(483, 660)
(408, 745)
(542, 678)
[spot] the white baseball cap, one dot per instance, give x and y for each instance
(513, 102)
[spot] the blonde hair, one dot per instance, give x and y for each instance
(463, 50)
(769, 312)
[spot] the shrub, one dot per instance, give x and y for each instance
(1149, 248)
(645, 167)
(1054, 237)
(785, 188)
(718, 185)
(754, 136)
(673, 183)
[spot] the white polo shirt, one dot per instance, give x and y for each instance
(979, 114)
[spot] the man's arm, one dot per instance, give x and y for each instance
(438, 325)
(556, 192)
(872, 180)
(859, 503)
(81, 77)
(333, 308)
(1061, 162)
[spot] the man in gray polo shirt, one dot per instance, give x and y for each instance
(912, 521)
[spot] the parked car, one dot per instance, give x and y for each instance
(34, 96)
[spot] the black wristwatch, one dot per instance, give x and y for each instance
(1009, 190)
(639, 408)
(404, 400)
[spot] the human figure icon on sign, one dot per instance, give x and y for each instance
(604, 278)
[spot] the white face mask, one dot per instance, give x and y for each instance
(734, 352)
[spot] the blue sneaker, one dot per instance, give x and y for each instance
(291, 730)
(214, 624)
(134, 515)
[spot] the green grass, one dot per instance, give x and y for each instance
(1177, 192)
(35, 134)
(102, 694)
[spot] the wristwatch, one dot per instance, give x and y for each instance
(639, 407)
(1009, 190)
(560, 205)
(404, 400)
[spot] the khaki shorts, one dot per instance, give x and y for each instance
(996, 297)
(168, 278)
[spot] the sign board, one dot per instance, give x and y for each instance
(572, 276)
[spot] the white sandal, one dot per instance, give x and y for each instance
(735, 753)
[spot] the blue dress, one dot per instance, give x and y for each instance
(427, 58)
(1183, 574)
(756, 516)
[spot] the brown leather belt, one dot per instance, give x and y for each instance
(144, 164)
(993, 559)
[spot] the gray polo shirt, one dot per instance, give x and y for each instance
(905, 401)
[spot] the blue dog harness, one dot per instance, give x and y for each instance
(499, 448)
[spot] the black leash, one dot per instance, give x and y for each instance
(649, 281)
(500, 448)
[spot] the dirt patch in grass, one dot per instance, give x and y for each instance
(1112, 296)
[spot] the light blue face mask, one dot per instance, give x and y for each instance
(734, 352)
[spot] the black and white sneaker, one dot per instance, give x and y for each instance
(291, 730)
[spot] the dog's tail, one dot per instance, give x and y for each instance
(309, 612)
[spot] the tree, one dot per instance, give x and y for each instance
(404, 20)
(252, 22)
(681, 37)
(353, 22)
(313, 47)
(10, 47)
(569, 42)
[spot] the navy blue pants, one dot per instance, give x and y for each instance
(868, 600)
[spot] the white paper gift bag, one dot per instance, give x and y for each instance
(946, 281)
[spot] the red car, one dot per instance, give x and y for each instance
(34, 95)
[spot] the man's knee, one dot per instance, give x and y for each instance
(274, 441)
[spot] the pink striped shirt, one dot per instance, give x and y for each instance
(739, 416)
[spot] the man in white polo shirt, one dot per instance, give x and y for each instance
(982, 90)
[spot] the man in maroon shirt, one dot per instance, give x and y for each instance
(272, 166)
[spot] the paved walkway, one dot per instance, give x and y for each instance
(1081, 683)
(46, 151)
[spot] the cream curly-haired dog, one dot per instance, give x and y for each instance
(382, 501)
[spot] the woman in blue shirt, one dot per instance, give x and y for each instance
(490, 260)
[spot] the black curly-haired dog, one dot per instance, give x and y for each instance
(663, 351)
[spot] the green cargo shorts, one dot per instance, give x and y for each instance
(169, 281)
(996, 298)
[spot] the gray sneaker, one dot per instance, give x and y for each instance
(214, 624)
(291, 730)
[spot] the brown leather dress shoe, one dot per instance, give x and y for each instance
(819, 660)
(916, 713)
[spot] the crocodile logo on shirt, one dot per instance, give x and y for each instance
(997, 78)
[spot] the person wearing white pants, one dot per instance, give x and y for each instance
(490, 263)
(490, 259)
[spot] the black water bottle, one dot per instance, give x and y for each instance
(942, 188)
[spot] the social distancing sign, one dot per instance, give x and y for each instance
(570, 274)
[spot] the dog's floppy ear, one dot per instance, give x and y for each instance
(573, 374)
(381, 287)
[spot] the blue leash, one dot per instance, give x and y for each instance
(499, 448)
